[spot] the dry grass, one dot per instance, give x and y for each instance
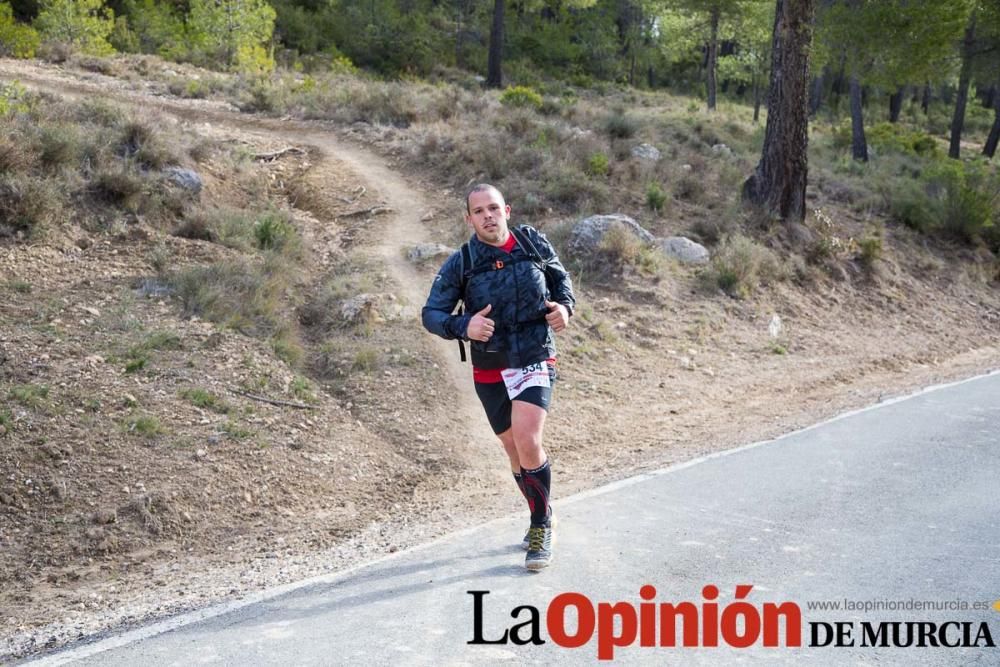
(740, 265)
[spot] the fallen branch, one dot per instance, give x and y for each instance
(272, 401)
(268, 157)
(374, 210)
(359, 192)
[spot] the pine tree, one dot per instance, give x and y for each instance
(83, 24)
(233, 30)
(712, 14)
(885, 43)
(778, 184)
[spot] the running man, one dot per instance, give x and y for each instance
(516, 294)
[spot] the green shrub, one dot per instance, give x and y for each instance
(136, 363)
(910, 205)
(954, 198)
(597, 165)
(265, 95)
(16, 39)
(655, 197)
(14, 98)
(203, 398)
(273, 231)
(58, 146)
(123, 38)
(30, 395)
(161, 340)
(521, 96)
(965, 195)
(619, 125)
(896, 137)
(144, 425)
(869, 251)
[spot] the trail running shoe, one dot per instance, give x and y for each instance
(525, 543)
(540, 539)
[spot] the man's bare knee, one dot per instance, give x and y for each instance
(510, 448)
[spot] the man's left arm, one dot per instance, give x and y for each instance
(558, 280)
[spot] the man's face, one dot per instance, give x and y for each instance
(487, 216)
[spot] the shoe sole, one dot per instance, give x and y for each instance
(535, 565)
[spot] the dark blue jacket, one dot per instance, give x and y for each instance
(517, 292)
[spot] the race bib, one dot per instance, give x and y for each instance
(519, 379)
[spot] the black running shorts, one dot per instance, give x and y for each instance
(493, 396)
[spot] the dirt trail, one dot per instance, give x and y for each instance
(649, 378)
(402, 230)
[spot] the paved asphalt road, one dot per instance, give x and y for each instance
(896, 503)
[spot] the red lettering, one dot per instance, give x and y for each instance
(555, 620)
(668, 623)
(751, 624)
(607, 640)
(647, 617)
(710, 617)
(793, 623)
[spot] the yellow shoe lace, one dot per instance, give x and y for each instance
(536, 538)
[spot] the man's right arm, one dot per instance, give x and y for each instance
(445, 294)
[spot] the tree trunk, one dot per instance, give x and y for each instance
(859, 145)
(494, 74)
(713, 57)
(816, 92)
(964, 78)
(778, 184)
(896, 104)
(990, 149)
(925, 102)
(756, 98)
(459, 61)
(990, 98)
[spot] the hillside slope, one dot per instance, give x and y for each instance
(102, 524)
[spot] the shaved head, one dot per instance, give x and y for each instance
(480, 187)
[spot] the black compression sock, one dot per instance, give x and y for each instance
(537, 484)
(519, 478)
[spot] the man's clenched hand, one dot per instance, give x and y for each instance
(558, 316)
(481, 327)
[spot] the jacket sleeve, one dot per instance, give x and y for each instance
(446, 292)
(557, 277)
